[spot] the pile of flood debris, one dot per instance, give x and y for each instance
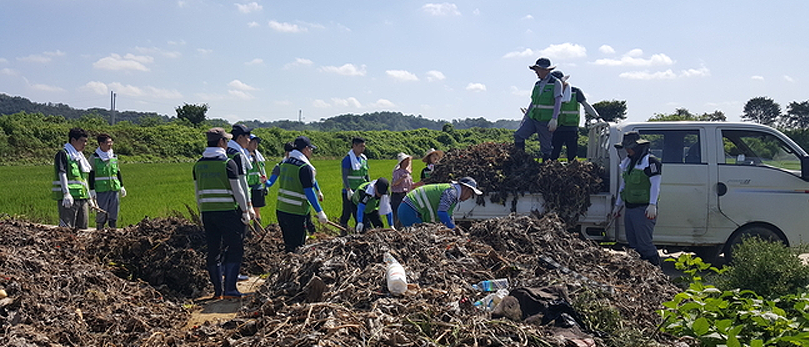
(62, 288)
(502, 171)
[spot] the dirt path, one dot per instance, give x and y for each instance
(220, 311)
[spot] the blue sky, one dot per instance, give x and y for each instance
(268, 60)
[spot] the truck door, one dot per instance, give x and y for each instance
(759, 182)
(685, 188)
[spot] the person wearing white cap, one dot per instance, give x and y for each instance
(434, 203)
(402, 184)
(541, 115)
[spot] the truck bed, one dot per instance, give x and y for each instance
(600, 207)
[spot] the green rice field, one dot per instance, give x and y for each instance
(159, 190)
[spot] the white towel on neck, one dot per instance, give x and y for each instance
(214, 152)
(566, 94)
(246, 160)
(302, 157)
(355, 161)
(105, 156)
(84, 165)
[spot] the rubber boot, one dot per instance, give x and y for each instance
(215, 273)
(113, 223)
(231, 276)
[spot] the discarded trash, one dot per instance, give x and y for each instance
(3, 293)
(490, 301)
(397, 280)
(491, 285)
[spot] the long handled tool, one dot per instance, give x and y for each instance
(338, 226)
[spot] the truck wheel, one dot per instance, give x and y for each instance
(709, 254)
(761, 231)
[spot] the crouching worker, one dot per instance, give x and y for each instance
(436, 202)
(225, 213)
(372, 200)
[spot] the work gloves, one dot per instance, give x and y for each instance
(321, 217)
(251, 212)
(349, 194)
(360, 227)
(246, 217)
(123, 192)
(651, 211)
(552, 124)
(67, 200)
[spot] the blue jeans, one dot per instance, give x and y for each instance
(530, 126)
(639, 230)
(408, 216)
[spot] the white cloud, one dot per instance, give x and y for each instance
(645, 75)
(606, 49)
(757, 78)
(282, 102)
(128, 62)
(8, 72)
(3, 60)
(701, 72)
(247, 8)
(402, 75)
(476, 12)
(528, 17)
(236, 84)
(256, 61)
(238, 94)
(253, 25)
(97, 87)
(320, 104)
(182, 3)
(45, 57)
(434, 75)
(298, 62)
(382, 103)
(204, 51)
(347, 102)
(154, 50)
(561, 51)
(788, 79)
(476, 87)
(520, 54)
(630, 59)
(637, 52)
(130, 90)
(519, 92)
(46, 88)
(176, 43)
(286, 27)
(442, 9)
(345, 70)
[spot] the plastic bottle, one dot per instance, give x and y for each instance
(490, 301)
(396, 277)
(491, 285)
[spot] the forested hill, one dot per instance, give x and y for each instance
(395, 121)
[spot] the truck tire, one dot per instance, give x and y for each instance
(709, 254)
(764, 232)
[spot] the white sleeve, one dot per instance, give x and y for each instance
(238, 193)
(654, 191)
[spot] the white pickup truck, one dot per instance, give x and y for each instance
(721, 182)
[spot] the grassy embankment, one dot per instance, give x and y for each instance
(157, 190)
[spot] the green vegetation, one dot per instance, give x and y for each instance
(768, 268)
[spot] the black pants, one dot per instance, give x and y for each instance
(371, 219)
(293, 228)
(570, 139)
(224, 232)
(349, 210)
(395, 201)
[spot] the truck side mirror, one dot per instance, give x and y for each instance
(805, 168)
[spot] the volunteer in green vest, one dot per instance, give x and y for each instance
(541, 115)
(256, 177)
(237, 150)
(372, 200)
(436, 202)
(567, 132)
(106, 185)
(223, 206)
(289, 147)
(296, 194)
(639, 191)
(355, 172)
(70, 187)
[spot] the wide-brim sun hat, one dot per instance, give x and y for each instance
(470, 183)
(630, 140)
(542, 63)
(433, 151)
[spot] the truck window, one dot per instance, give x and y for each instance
(675, 146)
(748, 147)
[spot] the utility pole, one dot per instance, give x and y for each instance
(112, 107)
(299, 116)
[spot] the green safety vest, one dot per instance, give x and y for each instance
(542, 103)
(76, 181)
(372, 205)
(213, 186)
(569, 114)
(636, 187)
(106, 175)
(426, 199)
(357, 177)
(255, 173)
(291, 197)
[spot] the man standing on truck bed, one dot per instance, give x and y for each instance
(542, 114)
(639, 190)
(567, 133)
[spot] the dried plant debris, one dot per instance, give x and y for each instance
(503, 171)
(332, 292)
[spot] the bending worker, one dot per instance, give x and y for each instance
(436, 202)
(372, 200)
(639, 191)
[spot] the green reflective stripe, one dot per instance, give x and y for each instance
(213, 186)
(570, 112)
(289, 192)
(76, 181)
(542, 102)
(105, 178)
(291, 198)
(424, 203)
(106, 172)
(356, 177)
(214, 191)
(290, 201)
(206, 200)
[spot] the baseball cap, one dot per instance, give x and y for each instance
(214, 134)
(302, 142)
(240, 129)
(382, 185)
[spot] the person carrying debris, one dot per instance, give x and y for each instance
(430, 158)
(70, 188)
(225, 212)
(372, 200)
(354, 172)
(436, 202)
(106, 185)
(639, 191)
(296, 194)
(256, 177)
(402, 183)
(541, 115)
(567, 132)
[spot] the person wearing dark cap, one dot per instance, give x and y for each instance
(256, 177)
(237, 150)
(541, 115)
(639, 191)
(434, 203)
(223, 206)
(296, 194)
(567, 133)
(372, 200)
(354, 169)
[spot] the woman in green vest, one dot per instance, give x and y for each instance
(436, 202)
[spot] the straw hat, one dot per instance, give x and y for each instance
(432, 151)
(400, 158)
